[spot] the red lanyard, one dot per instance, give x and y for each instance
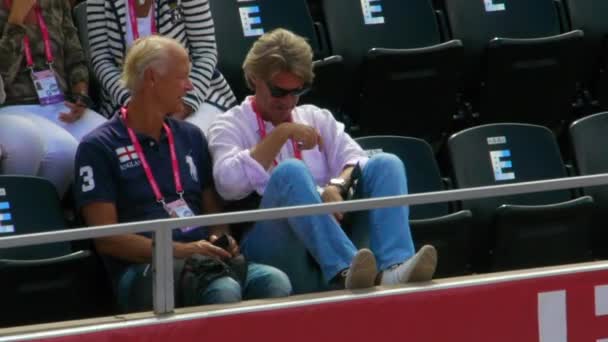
(296, 150)
(133, 19)
(146, 166)
(46, 38)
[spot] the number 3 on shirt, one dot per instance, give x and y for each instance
(88, 183)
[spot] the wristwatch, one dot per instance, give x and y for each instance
(340, 184)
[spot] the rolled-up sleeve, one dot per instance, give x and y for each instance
(341, 150)
(235, 172)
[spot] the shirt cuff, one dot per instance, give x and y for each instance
(256, 174)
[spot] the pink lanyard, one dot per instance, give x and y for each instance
(45, 38)
(133, 20)
(146, 166)
(296, 150)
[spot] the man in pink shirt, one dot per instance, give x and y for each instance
(295, 155)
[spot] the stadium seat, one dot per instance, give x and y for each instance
(526, 230)
(433, 223)
(401, 78)
(42, 283)
(590, 17)
(238, 24)
(588, 137)
(519, 67)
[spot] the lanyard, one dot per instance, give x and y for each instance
(133, 19)
(296, 150)
(146, 166)
(46, 38)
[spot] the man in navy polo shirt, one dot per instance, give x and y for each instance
(141, 165)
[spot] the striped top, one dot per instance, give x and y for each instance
(107, 20)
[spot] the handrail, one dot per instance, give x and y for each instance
(162, 259)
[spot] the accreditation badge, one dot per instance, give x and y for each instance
(179, 208)
(47, 87)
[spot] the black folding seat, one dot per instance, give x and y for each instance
(400, 77)
(519, 67)
(238, 24)
(48, 282)
(526, 230)
(435, 224)
(589, 139)
(590, 17)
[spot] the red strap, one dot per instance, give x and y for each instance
(296, 150)
(46, 38)
(133, 20)
(144, 162)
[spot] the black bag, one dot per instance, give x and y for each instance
(200, 270)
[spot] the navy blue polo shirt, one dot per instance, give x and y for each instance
(109, 170)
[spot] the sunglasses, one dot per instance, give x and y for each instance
(281, 92)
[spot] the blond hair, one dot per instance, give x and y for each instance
(152, 51)
(276, 51)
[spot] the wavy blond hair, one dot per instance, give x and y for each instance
(276, 51)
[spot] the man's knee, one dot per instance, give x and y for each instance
(270, 282)
(222, 290)
(386, 163)
(292, 171)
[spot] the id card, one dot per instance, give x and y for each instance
(179, 208)
(47, 87)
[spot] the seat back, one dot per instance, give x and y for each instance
(49, 282)
(497, 154)
(588, 136)
(534, 236)
(30, 205)
(238, 24)
(402, 78)
(475, 23)
(355, 27)
(501, 154)
(519, 68)
(420, 165)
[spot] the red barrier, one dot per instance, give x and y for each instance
(572, 307)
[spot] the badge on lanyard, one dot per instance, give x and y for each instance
(45, 81)
(179, 207)
(47, 88)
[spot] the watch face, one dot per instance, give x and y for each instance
(337, 181)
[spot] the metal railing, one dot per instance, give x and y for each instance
(162, 261)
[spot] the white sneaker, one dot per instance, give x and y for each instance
(420, 267)
(362, 271)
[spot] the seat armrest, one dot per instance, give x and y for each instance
(78, 255)
(445, 219)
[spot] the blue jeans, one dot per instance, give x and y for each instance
(312, 250)
(135, 287)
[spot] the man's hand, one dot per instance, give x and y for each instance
(183, 114)
(332, 194)
(20, 10)
(76, 111)
(233, 247)
(202, 247)
(306, 137)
